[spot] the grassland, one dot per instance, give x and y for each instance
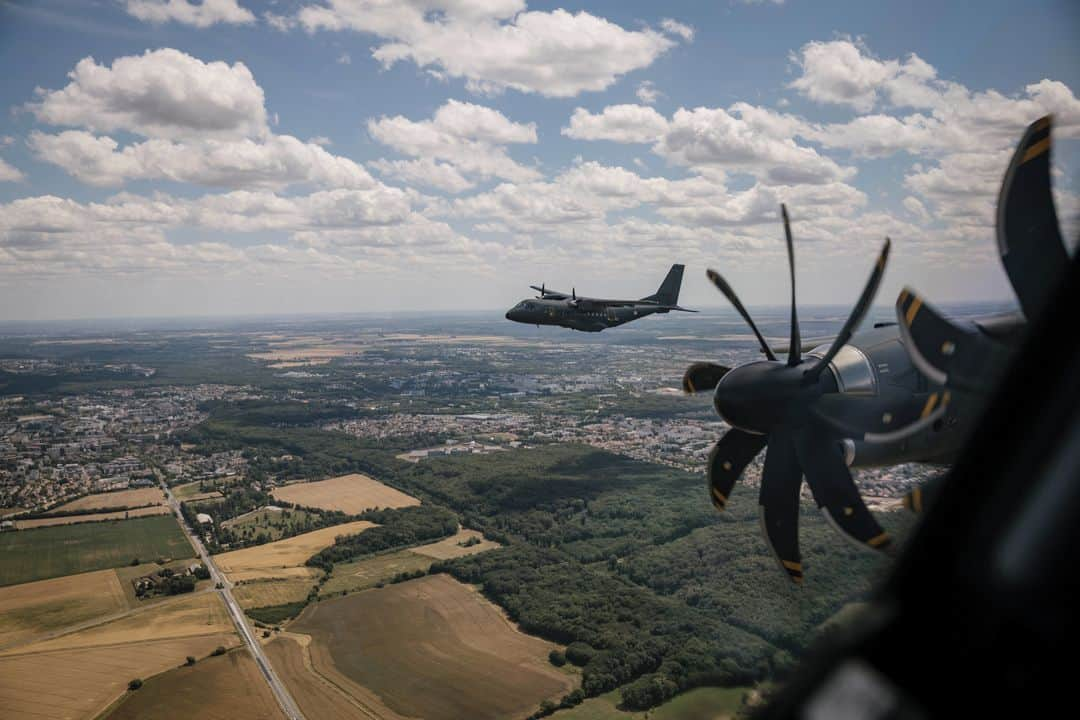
(705, 703)
(28, 555)
(269, 560)
(275, 524)
(139, 497)
(91, 517)
(370, 572)
(352, 494)
(431, 648)
(227, 687)
(193, 491)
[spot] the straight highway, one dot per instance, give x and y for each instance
(285, 700)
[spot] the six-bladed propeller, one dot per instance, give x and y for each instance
(773, 404)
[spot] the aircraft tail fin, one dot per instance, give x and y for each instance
(668, 294)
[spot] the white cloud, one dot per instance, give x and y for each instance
(494, 46)
(161, 93)
(646, 92)
(9, 173)
(471, 138)
(917, 209)
(203, 14)
(274, 162)
(425, 171)
(842, 72)
(619, 123)
(344, 59)
(674, 27)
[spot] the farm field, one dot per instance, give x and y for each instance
(432, 648)
(138, 497)
(179, 616)
(267, 561)
(79, 683)
(228, 687)
(28, 555)
(92, 517)
(316, 695)
(266, 593)
(353, 494)
(369, 572)
(32, 609)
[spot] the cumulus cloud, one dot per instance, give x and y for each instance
(205, 124)
(161, 93)
(471, 138)
(425, 171)
(497, 45)
(201, 15)
(619, 123)
(274, 162)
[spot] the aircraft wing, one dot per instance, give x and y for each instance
(549, 294)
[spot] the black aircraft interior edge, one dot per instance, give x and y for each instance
(904, 392)
(595, 314)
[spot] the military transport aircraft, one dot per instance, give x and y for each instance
(900, 392)
(594, 314)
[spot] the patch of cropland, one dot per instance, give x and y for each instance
(352, 494)
(224, 687)
(28, 555)
(629, 562)
(120, 500)
(430, 648)
(32, 609)
(273, 560)
(90, 517)
(79, 674)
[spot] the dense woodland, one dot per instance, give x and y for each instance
(397, 528)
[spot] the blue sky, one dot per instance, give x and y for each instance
(173, 158)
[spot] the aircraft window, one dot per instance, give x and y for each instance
(852, 370)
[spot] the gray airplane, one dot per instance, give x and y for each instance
(595, 314)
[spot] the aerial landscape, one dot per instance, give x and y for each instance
(294, 422)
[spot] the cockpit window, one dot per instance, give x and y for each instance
(852, 370)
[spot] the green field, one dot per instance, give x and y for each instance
(708, 703)
(27, 555)
(369, 572)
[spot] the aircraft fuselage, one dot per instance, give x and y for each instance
(578, 314)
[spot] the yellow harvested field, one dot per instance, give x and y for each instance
(93, 517)
(453, 546)
(353, 494)
(267, 560)
(33, 609)
(277, 592)
(121, 499)
(81, 682)
(185, 616)
(321, 353)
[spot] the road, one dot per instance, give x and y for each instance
(285, 700)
